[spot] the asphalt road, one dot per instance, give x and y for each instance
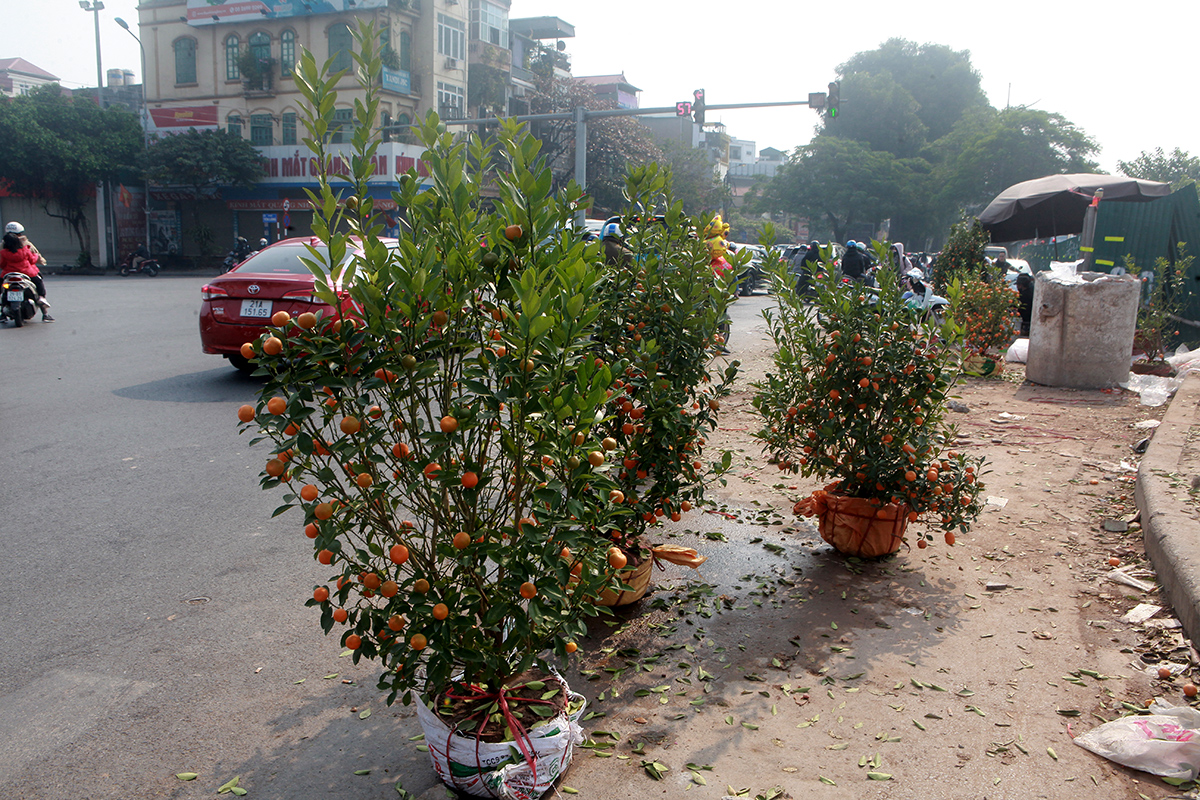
(153, 619)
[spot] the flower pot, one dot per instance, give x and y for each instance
(857, 526)
(490, 769)
(1159, 368)
(983, 366)
(638, 577)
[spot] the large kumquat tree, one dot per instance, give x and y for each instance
(444, 442)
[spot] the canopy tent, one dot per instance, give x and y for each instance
(1056, 204)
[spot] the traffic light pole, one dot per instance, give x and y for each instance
(581, 116)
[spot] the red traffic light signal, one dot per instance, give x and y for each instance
(698, 106)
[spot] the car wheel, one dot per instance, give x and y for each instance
(241, 363)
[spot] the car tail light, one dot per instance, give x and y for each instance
(210, 292)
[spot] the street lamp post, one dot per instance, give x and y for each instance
(101, 206)
(145, 119)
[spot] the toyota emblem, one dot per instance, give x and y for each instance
(252, 288)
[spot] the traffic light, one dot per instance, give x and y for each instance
(698, 106)
(832, 99)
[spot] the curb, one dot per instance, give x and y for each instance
(1169, 527)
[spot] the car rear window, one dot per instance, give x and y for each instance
(286, 260)
(278, 260)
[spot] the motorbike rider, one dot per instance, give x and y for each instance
(615, 251)
(262, 243)
(854, 262)
(138, 256)
(812, 256)
(16, 256)
(241, 249)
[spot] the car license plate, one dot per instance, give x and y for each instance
(16, 296)
(260, 309)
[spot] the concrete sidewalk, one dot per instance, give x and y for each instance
(1169, 507)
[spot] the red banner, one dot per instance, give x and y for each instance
(379, 203)
(185, 117)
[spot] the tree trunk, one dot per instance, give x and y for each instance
(75, 217)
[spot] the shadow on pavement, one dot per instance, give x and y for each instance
(221, 385)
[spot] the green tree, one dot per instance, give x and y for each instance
(57, 149)
(844, 183)
(614, 144)
(941, 81)
(1178, 169)
(203, 160)
(989, 151)
(882, 115)
(694, 177)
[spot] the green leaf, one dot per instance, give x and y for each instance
(879, 776)
(366, 712)
(186, 776)
(362, 772)
(827, 781)
(228, 785)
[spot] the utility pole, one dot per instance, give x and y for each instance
(145, 115)
(101, 204)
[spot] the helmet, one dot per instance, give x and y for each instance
(241, 239)
(611, 229)
(262, 242)
(862, 247)
(850, 244)
(14, 227)
(814, 243)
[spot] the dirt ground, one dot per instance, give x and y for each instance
(781, 668)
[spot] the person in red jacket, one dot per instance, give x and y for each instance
(16, 256)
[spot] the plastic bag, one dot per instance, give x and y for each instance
(497, 769)
(677, 554)
(1165, 742)
(1018, 351)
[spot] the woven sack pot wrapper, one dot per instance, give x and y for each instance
(639, 577)
(490, 769)
(856, 526)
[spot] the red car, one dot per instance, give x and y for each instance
(237, 306)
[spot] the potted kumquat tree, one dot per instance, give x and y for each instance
(663, 307)
(987, 313)
(444, 441)
(857, 397)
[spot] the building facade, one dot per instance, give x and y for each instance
(18, 76)
(230, 65)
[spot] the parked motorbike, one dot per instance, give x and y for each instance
(149, 266)
(19, 298)
(920, 297)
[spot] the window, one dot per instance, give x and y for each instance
(489, 23)
(287, 52)
(452, 37)
(235, 125)
(185, 60)
(405, 51)
(386, 124)
(262, 130)
(340, 42)
(260, 46)
(451, 100)
(289, 128)
(233, 50)
(343, 119)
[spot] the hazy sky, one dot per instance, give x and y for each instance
(1123, 72)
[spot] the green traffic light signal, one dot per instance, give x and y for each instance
(832, 99)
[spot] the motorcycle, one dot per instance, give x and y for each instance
(922, 300)
(147, 265)
(18, 298)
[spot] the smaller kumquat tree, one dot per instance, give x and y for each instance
(441, 440)
(858, 396)
(663, 307)
(1164, 298)
(986, 312)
